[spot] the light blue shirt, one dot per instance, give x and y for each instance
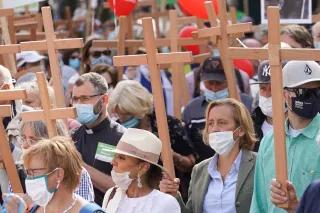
(220, 196)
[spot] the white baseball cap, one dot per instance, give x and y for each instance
(28, 57)
(296, 73)
(141, 144)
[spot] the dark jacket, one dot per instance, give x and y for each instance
(310, 199)
(258, 118)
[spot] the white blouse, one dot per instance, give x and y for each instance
(155, 202)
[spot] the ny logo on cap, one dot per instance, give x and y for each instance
(307, 70)
(266, 71)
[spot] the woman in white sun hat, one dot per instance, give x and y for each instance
(136, 174)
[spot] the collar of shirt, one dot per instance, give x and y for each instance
(213, 168)
(99, 127)
(309, 131)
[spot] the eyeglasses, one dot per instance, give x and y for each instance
(34, 173)
(305, 92)
(83, 98)
(31, 173)
(29, 141)
(97, 54)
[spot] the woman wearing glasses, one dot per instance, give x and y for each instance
(53, 168)
(33, 131)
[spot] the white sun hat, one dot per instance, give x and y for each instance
(141, 144)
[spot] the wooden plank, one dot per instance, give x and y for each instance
(223, 47)
(158, 94)
(53, 59)
(278, 110)
(10, 95)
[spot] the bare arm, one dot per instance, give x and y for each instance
(100, 180)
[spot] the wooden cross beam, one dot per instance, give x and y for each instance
(51, 44)
(223, 34)
(276, 54)
(124, 41)
(8, 36)
(153, 59)
(48, 114)
(5, 111)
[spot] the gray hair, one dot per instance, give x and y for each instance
(40, 130)
(32, 87)
(98, 82)
(132, 98)
(5, 75)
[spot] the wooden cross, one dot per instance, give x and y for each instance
(8, 36)
(180, 90)
(222, 34)
(153, 59)
(48, 114)
(51, 44)
(275, 54)
(5, 111)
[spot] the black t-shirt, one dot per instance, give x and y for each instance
(107, 132)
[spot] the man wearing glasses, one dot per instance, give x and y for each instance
(97, 132)
(301, 82)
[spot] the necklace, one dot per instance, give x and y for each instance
(71, 205)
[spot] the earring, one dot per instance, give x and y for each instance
(139, 181)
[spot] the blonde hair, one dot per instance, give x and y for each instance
(58, 152)
(241, 117)
(132, 98)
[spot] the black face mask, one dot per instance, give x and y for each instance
(306, 103)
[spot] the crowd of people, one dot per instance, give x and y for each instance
(108, 158)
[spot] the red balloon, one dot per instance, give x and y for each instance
(196, 7)
(244, 65)
(186, 32)
(122, 7)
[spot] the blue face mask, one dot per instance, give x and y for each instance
(133, 122)
(86, 114)
(212, 96)
(103, 59)
(74, 63)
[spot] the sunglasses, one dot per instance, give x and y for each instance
(97, 54)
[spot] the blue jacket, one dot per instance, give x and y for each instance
(310, 199)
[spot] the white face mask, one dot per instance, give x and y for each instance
(265, 105)
(122, 180)
(221, 142)
(37, 189)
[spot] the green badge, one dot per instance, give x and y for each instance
(105, 152)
